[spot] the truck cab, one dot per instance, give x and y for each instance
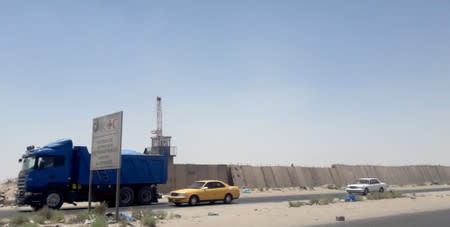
(44, 170)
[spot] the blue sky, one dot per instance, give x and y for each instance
(250, 82)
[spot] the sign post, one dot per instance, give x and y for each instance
(106, 148)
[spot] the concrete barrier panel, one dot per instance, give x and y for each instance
(254, 177)
(268, 177)
(338, 180)
(419, 178)
(281, 176)
(383, 170)
(321, 176)
(308, 176)
(382, 174)
(259, 177)
(408, 175)
(293, 177)
(203, 172)
(435, 174)
(301, 178)
(445, 178)
(213, 173)
(237, 175)
(446, 170)
(346, 174)
(250, 179)
(180, 176)
(355, 171)
(426, 176)
(224, 174)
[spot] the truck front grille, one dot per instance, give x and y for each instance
(21, 184)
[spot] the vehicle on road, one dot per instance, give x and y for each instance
(59, 172)
(204, 191)
(366, 185)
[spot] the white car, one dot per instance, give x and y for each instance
(366, 185)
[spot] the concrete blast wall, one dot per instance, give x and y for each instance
(180, 175)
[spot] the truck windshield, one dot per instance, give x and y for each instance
(28, 163)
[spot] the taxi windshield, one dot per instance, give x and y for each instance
(28, 163)
(197, 184)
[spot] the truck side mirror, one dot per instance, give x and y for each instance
(204, 188)
(20, 160)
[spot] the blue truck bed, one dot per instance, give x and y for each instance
(136, 168)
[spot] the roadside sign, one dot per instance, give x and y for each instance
(106, 142)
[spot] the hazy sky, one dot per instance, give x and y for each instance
(243, 82)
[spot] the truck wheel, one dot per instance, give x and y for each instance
(144, 196)
(126, 197)
(54, 200)
(381, 190)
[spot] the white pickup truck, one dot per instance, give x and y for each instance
(366, 185)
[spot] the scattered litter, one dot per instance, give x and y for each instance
(88, 221)
(303, 187)
(246, 190)
(213, 214)
(350, 198)
(340, 218)
(177, 216)
(126, 216)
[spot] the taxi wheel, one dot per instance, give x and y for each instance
(228, 198)
(193, 200)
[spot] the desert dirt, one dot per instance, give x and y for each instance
(280, 214)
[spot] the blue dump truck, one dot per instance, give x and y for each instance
(59, 173)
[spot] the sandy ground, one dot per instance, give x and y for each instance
(280, 214)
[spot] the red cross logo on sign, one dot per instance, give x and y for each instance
(112, 124)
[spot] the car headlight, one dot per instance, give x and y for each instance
(177, 194)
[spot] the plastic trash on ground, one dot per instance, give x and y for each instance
(350, 198)
(126, 216)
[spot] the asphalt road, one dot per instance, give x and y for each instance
(10, 212)
(439, 218)
(339, 194)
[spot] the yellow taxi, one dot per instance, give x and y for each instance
(204, 191)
